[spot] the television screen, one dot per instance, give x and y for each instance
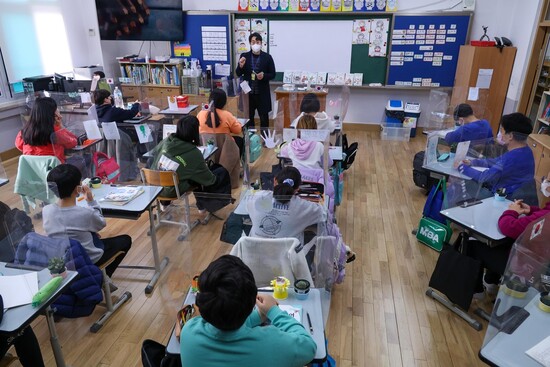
(138, 20)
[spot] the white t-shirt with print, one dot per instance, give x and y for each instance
(272, 219)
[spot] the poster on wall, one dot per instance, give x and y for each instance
(379, 30)
(214, 43)
(361, 32)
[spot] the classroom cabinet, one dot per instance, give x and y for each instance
(474, 63)
(540, 144)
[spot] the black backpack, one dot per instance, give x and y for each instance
(350, 152)
(421, 177)
(14, 225)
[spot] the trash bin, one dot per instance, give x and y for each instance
(412, 113)
(395, 112)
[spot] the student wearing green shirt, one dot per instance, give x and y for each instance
(229, 331)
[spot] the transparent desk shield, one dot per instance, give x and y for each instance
(520, 319)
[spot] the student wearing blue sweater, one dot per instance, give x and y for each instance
(471, 127)
(512, 169)
(229, 332)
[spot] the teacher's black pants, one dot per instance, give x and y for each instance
(255, 103)
(26, 346)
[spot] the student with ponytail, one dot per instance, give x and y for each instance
(281, 213)
(216, 120)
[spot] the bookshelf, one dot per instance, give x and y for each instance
(153, 81)
(543, 115)
(544, 79)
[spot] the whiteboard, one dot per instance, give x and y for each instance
(311, 45)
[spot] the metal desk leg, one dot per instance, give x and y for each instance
(159, 265)
(469, 319)
(57, 353)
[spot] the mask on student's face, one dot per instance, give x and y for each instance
(256, 48)
(500, 138)
(545, 188)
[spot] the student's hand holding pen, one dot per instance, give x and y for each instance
(264, 304)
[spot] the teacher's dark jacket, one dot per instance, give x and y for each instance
(267, 66)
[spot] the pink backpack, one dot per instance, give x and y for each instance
(105, 167)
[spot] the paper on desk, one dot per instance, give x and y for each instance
(168, 129)
(289, 134)
(431, 149)
(92, 130)
(541, 352)
(473, 94)
(18, 290)
(222, 69)
(143, 132)
(461, 151)
(314, 135)
(110, 130)
(484, 77)
(245, 87)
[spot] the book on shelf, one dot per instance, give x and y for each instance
(122, 195)
(546, 113)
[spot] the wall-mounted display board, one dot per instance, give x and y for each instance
(424, 49)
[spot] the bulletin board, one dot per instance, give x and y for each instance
(208, 35)
(338, 27)
(424, 49)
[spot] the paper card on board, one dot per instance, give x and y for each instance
(168, 129)
(85, 97)
(92, 130)
(222, 69)
(484, 77)
(473, 94)
(110, 130)
(461, 152)
(143, 132)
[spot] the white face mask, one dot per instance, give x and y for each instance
(544, 187)
(256, 48)
(500, 139)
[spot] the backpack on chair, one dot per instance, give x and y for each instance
(349, 152)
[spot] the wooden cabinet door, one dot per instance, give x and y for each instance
(537, 149)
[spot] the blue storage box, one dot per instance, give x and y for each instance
(395, 112)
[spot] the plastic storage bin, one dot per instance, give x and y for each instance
(395, 113)
(393, 131)
(412, 114)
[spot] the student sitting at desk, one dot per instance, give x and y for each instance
(311, 106)
(106, 112)
(511, 170)
(511, 223)
(303, 153)
(36, 136)
(471, 128)
(179, 152)
(216, 120)
(81, 223)
(228, 331)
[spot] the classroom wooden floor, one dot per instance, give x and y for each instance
(379, 316)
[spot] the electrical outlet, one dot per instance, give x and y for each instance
(91, 32)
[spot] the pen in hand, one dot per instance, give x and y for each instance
(309, 323)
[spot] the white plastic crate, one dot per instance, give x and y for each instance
(395, 132)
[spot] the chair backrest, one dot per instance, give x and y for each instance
(31, 177)
(160, 178)
(227, 154)
(272, 257)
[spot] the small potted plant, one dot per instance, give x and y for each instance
(516, 288)
(544, 302)
(56, 265)
(301, 288)
(500, 194)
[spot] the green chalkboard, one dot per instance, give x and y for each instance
(373, 68)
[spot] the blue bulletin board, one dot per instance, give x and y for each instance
(424, 49)
(206, 29)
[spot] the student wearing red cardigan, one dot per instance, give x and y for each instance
(36, 136)
(511, 223)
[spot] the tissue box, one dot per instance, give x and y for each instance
(86, 72)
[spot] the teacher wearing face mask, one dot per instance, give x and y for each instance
(257, 68)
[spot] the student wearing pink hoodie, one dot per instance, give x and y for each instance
(303, 153)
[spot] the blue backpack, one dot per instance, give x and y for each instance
(255, 147)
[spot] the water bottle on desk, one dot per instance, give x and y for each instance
(117, 94)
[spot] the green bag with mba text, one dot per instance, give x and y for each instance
(431, 231)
